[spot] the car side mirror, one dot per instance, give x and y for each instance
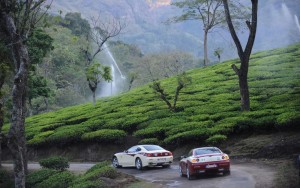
(126, 151)
(182, 157)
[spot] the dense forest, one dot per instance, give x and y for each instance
(58, 72)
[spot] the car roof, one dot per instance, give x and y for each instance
(207, 148)
(148, 145)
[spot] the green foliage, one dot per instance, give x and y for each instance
(36, 177)
(76, 24)
(150, 141)
(216, 139)
(59, 180)
(55, 162)
(105, 135)
(96, 72)
(39, 44)
(210, 107)
(98, 166)
(106, 171)
(88, 184)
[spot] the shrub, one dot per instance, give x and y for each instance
(216, 139)
(106, 171)
(55, 162)
(193, 135)
(105, 135)
(58, 180)
(151, 132)
(97, 166)
(150, 141)
(88, 184)
(38, 176)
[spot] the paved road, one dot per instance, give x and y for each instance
(243, 175)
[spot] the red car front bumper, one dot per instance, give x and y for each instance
(206, 167)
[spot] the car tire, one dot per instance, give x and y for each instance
(115, 162)
(226, 173)
(166, 166)
(188, 174)
(138, 164)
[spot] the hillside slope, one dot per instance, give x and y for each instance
(210, 108)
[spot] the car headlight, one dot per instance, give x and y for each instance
(225, 157)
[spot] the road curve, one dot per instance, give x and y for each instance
(243, 175)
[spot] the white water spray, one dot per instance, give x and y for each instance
(107, 51)
(113, 87)
(297, 22)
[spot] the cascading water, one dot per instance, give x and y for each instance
(297, 22)
(277, 26)
(115, 86)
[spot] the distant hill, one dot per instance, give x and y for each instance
(210, 108)
(276, 25)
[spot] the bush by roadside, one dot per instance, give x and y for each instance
(55, 162)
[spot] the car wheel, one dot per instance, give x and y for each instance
(115, 162)
(138, 164)
(166, 166)
(188, 175)
(226, 172)
(180, 172)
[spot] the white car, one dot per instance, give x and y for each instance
(143, 155)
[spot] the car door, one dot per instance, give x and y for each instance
(184, 163)
(129, 156)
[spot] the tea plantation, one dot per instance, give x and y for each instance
(209, 108)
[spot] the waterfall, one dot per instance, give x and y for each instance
(115, 86)
(297, 22)
(113, 59)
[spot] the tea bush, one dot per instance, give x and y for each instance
(59, 180)
(36, 177)
(55, 162)
(105, 135)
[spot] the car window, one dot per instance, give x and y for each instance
(203, 151)
(132, 149)
(153, 147)
(138, 149)
(190, 153)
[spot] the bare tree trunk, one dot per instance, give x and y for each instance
(244, 92)
(46, 103)
(93, 88)
(94, 98)
(16, 134)
(244, 55)
(205, 48)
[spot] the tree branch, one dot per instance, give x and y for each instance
(236, 70)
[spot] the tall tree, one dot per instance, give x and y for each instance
(208, 11)
(244, 54)
(100, 33)
(95, 74)
(17, 19)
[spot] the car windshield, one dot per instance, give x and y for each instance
(152, 147)
(203, 151)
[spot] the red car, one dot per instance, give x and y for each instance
(204, 160)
